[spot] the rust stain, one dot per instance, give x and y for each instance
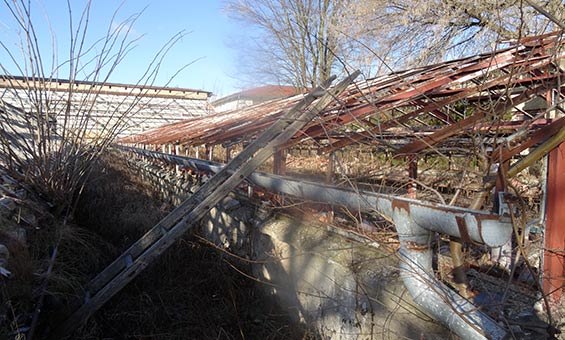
(463, 231)
(411, 245)
(401, 205)
(487, 217)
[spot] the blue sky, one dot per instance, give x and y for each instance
(209, 33)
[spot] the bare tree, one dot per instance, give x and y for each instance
(300, 42)
(297, 42)
(57, 161)
(416, 32)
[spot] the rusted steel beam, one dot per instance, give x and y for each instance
(524, 125)
(523, 80)
(356, 113)
(538, 39)
(454, 129)
(543, 149)
(437, 85)
(467, 72)
(554, 249)
(386, 103)
(505, 152)
(367, 110)
(437, 113)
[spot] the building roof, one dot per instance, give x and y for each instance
(260, 94)
(54, 84)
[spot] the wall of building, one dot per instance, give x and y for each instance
(102, 106)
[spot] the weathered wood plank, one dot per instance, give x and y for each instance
(151, 245)
(155, 233)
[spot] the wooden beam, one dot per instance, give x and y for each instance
(279, 162)
(150, 246)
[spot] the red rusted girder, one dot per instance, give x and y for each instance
(422, 90)
(505, 152)
(214, 129)
(514, 125)
(437, 113)
(554, 254)
(465, 73)
(453, 129)
(464, 93)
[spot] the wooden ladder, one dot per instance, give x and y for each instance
(184, 217)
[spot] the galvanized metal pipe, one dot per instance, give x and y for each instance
(444, 304)
(478, 226)
(415, 221)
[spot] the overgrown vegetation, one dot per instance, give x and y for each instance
(300, 43)
(49, 132)
(192, 292)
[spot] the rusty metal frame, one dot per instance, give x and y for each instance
(450, 130)
(373, 103)
(554, 248)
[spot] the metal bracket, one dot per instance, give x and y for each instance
(504, 198)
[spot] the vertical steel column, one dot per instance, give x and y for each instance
(177, 152)
(210, 152)
(413, 174)
(554, 265)
(503, 254)
(279, 168)
(330, 171)
(228, 154)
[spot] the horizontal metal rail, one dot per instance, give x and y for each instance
(468, 224)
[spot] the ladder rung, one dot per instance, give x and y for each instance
(86, 297)
(129, 260)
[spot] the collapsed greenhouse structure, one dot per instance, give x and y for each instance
(452, 173)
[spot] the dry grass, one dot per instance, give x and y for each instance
(192, 292)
